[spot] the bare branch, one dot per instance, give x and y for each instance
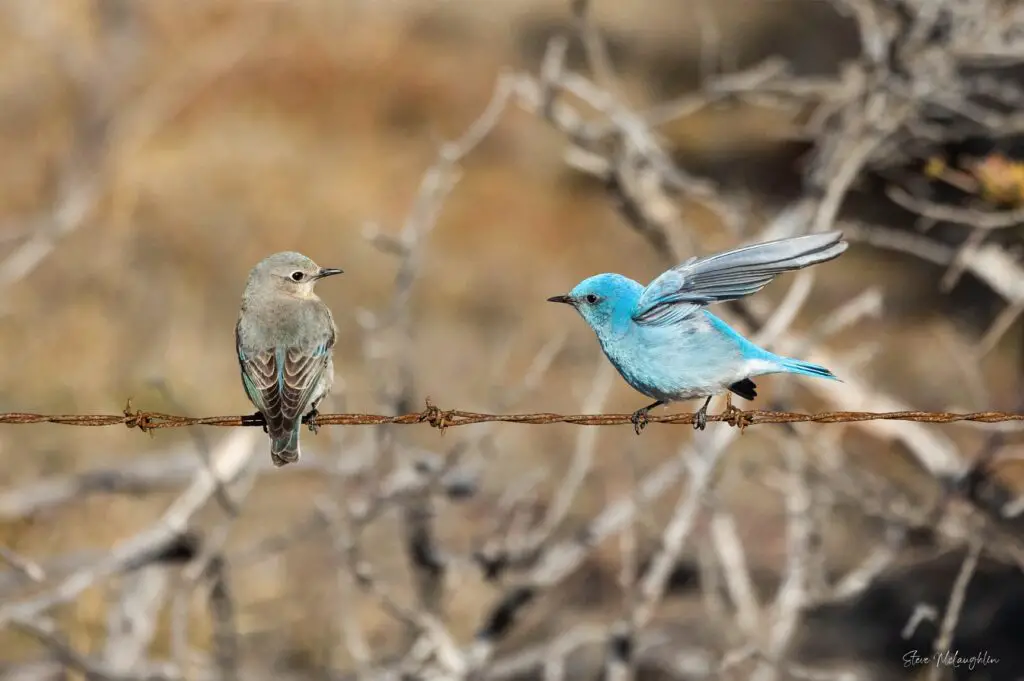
(24, 566)
(956, 604)
(75, 660)
(132, 621)
(229, 461)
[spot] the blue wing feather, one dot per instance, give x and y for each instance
(679, 292)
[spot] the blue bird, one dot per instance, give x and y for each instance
(669, 347)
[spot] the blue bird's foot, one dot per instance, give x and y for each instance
(310, 420)
(639, 420)
(639, 417)
(700, 420)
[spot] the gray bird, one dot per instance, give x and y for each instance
(285, 339)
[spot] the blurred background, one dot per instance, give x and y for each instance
(152, 153)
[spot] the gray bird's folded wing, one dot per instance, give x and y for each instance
(282, 382)
(678, 292)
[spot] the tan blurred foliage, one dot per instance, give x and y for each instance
(235, 128)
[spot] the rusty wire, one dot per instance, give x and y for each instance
(441, 418)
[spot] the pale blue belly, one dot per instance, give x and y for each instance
(678, 362)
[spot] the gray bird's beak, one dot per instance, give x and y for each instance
(560, 299)
(328, 272)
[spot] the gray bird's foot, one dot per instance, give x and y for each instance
(258, 418)
(310, 420)
(700, 420)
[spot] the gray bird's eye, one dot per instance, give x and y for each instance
(298, 276)
(591, 298)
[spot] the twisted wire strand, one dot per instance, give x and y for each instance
(442, 419)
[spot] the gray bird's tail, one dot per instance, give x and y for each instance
(284, 449)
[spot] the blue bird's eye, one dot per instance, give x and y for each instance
(591, 298)
(298, 276)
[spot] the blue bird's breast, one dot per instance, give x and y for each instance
(681, 361)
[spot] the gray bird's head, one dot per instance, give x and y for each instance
(287, 272)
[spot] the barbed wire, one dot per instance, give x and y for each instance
(445, 418)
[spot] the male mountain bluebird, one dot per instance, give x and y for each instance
(284, 337)
(668, 347)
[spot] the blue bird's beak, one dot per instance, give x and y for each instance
(561, 299)
(328, 272)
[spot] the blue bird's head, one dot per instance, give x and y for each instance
(605, 301)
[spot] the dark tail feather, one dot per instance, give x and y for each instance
(285, 449)
(745, 388)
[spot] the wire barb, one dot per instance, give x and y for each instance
(434, 416)
(135, 418)
(735, 417)
(148, 421)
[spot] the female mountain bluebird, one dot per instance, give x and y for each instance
(668, 347)
(284, 337)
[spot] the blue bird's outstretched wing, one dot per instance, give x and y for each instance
(678, 292)
(281, 382)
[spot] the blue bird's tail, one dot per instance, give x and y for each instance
(796, 366)
(285, 449)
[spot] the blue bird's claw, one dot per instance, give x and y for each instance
(700, 420)
(639, 420)
(639, 417)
